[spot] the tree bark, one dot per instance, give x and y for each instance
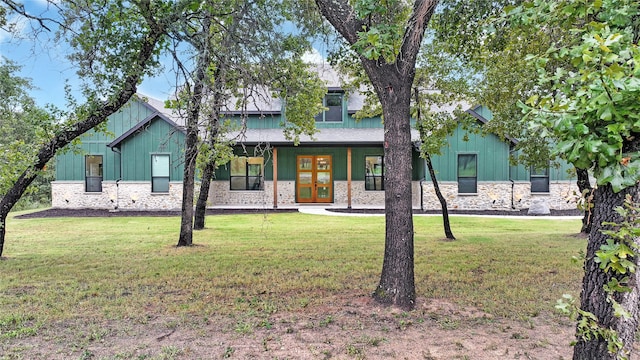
(443, 202)
(213, 124)
(392, 83)
(102, 111)
(191, 141)
(584, 186)
(593, 296)
(201, 203)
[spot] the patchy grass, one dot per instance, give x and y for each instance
(111, 268)
(250, 269)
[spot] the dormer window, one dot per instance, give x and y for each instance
(332, 101)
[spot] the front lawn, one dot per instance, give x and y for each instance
(262, 267)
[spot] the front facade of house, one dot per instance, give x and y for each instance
(139, 163)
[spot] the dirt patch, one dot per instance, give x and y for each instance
(350, 328)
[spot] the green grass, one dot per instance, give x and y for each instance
(253, 265)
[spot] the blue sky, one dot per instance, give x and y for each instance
(46, 65)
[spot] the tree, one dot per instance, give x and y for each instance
(21, 123)
(489, 53)
(592, 108)
(240, 53)
(115, 47)
(440, 88)
(251, 53)
(387, 38)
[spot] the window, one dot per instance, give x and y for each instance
(467, 174)
(333, 101)
(374, 173)
(246, 173)
(93, 173)
(160, 173)
(539, 180)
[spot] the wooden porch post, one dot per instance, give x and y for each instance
(275, 177)
(349, 178)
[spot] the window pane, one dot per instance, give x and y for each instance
(305, 178)
(333, 100)
(93, 184)
(305, 193)
(467, 185)
(238, 183)
(374, 166)
(323, 192)
(323, 163)
(160, 184)
(467, 165)
(304, 164)
(323, 177)
(540, 184)
(239, 166)
(255, 183)
(539, 171)
(160, 165)
(93, 173)
(255, 170)
(93, 165)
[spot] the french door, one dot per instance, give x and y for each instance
(314, 179)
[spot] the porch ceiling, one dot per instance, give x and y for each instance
(330, 136)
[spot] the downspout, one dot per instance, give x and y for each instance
(422, 181)
(117, 151)
(513, 207)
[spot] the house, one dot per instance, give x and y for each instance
(137, 164)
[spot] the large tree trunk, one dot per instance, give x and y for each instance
(100, 114)
(593, 297)
(584, 186)
(397, 284)
(443, 202)
(392, 83)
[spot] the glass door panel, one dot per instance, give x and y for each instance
(314, 179)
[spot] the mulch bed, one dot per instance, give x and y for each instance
(521, 212)
(54, 212)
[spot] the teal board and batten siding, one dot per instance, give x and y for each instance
(492, 156)
(274, 121)
(157, 137)
(70, 165)
(557, 172)
(287, 156)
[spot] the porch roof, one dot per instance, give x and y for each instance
(325, 136)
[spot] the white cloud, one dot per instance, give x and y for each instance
(313, 57)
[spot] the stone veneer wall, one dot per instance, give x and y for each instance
(128, 195)
(131, 195)
(220, 195)
(497, 196)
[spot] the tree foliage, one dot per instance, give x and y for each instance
(588, 101)
(143, 26)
